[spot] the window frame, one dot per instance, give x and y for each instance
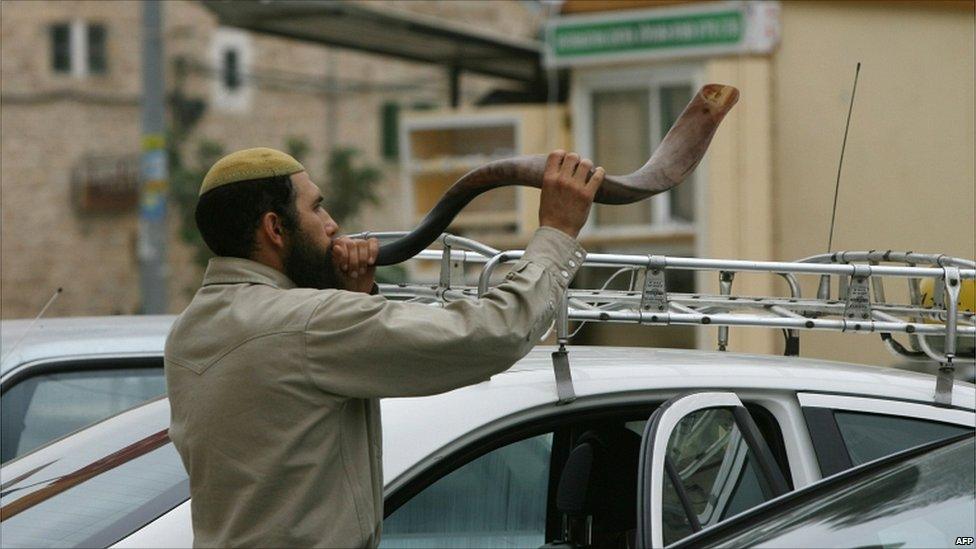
(831, 450)
(652, 79)
(79, 48)
(232, 99)
(654, 446)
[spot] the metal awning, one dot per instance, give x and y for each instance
(389, 32)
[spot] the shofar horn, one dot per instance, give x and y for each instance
(679, 153)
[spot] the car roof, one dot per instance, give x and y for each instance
(79, 337)
(418, 426)
(596, 369)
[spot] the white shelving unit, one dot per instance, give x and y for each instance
(437, 148)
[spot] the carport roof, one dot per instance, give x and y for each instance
(390, 32)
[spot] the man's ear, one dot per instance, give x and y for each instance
(272, 231)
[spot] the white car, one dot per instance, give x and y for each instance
(572, 453)
(503, 463)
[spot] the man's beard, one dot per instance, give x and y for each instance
(309, 266)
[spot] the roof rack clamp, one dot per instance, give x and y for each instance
(725, 279)
(451, 269)
(858, 307)
(560, 358)
(654, 298)
(946, 376)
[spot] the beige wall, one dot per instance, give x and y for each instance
(738, 202)
(908, 180)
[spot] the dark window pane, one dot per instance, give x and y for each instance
(231, 70)
(61, 48)
(674, 519)
(621, 144)
(682, 198)
(872, 436)
(497, 500)
(45, 407)
(97, 63)
(391, 131)
(747, 493)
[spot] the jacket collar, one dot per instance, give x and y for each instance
(234, 270)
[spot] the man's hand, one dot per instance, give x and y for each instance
(567, 191)
(355, 263)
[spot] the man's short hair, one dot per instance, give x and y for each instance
(228, 216)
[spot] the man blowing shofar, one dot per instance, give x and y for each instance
(275, 369)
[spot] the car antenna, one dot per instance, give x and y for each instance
(823, 292)
(31, 326)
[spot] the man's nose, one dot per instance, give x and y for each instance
(331, 228)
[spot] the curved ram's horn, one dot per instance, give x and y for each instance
(679, 153)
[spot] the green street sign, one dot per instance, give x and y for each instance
(662, 33)
(649, 33)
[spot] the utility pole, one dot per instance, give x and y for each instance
(331, 101)
(154, 172)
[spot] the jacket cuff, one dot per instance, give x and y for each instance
(557, 252)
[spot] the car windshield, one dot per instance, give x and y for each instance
(926, 501)
(95, 487)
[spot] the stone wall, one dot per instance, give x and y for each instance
(50, 121)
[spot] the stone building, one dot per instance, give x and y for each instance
(70, 104)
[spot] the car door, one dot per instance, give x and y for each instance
(847, 431)
(703, 459)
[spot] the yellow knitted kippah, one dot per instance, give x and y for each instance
(248, 164)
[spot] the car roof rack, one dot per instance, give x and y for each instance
(861, 305)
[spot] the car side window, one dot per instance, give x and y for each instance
(872, 436)
(497, 500)
(715, 467)
(48, 406)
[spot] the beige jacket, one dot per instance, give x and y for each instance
(274, 390)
